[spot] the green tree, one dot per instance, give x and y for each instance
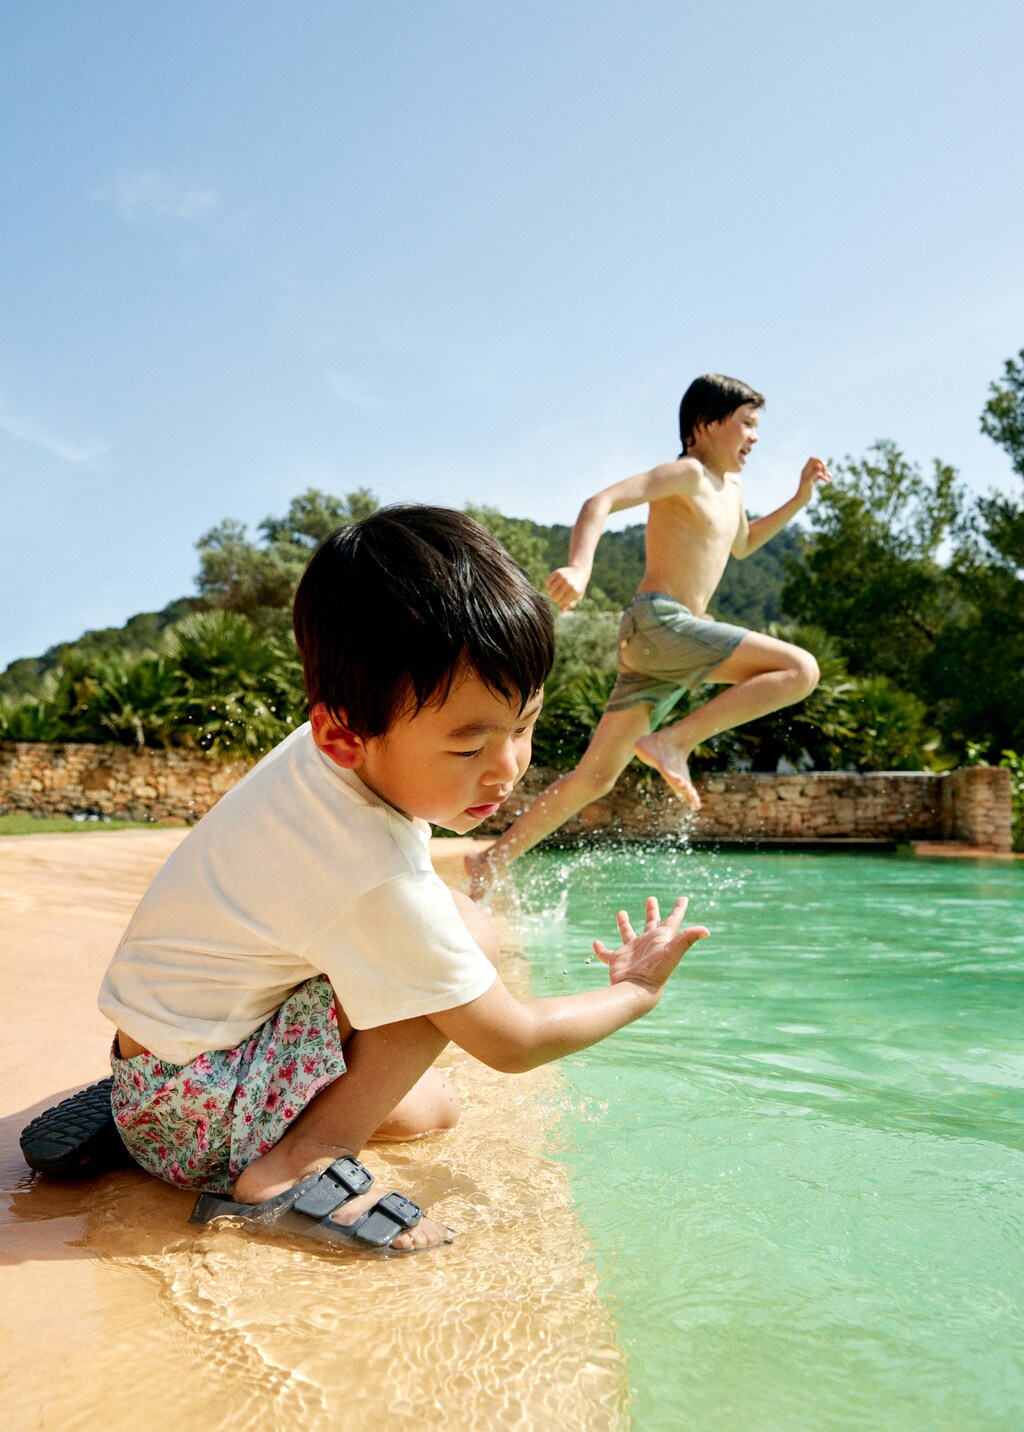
(95, 696)
(870, 572)
(815, 731)
(1003, 417)
(847, 723)
(750, 591)
(1002, 518)
(257, 578)
(578, 687)
(520, 539)
(975, 675)
(140, 633)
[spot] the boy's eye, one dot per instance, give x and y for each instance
(467, 754)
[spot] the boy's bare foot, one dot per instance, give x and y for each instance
(428, 1233)
(252, 1188)
(670, 763)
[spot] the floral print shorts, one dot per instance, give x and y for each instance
(198, 1125)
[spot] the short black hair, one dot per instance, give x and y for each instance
(392, 608)
(709, 399)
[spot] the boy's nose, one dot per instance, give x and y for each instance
(504, 769)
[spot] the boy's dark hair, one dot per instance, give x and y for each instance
(709, 399)
(391, 608)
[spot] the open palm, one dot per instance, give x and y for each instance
(650, 957)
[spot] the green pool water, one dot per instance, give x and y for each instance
(802, 1174)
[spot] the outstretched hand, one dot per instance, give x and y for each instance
(650, 957)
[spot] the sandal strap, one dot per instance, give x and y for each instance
(344, 1179)
(391, 1215)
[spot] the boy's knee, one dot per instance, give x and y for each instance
(432, 1106)
(594, 782)
(807, 673)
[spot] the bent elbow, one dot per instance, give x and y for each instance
(512, 1061)
(596, 509)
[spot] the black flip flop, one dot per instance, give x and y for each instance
(77, 1138)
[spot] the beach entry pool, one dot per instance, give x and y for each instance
(802, 1175)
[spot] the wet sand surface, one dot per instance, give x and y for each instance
(117, 1314)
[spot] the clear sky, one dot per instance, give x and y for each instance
(462, 251)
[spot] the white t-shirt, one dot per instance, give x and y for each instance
(299, 870)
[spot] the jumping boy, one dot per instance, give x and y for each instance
(667, 642)
(295, 969)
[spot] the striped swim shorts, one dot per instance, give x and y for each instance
(663, 650)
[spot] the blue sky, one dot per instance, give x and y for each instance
(468, 252)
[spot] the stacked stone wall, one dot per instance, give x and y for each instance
(977, 807)
(971, 806)
(114, 781)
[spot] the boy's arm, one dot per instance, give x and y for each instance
(752, 535)
(567, 584)
(513, 1035)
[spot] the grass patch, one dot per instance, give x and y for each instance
(21, 823)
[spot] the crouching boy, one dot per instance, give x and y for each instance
(297, 966)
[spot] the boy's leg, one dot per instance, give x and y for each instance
(432, 1104)
(386, 1068)
(763, 674)
(607, 756)
(382, 1066)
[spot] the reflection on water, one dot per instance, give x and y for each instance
(802, 1173)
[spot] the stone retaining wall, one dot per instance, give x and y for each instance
(971, 806)
(112, 781)
(977, 807)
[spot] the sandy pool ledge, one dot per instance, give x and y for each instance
(221, 1330)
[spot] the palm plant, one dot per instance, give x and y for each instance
(238, 690)
(121, 699)
(215, 682)
(31, 719)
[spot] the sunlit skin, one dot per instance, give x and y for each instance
(696, 518)
(452, 763)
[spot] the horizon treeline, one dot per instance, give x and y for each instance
(257, 577)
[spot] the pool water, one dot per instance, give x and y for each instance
(802, 1174)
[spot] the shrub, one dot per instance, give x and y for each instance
(578, 687)
(215, 682)
(845, 723)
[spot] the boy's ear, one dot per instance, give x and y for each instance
(334, 738)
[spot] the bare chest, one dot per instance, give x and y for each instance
(708, 517)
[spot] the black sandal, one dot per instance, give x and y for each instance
(306, 1209)
(77, 1138)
